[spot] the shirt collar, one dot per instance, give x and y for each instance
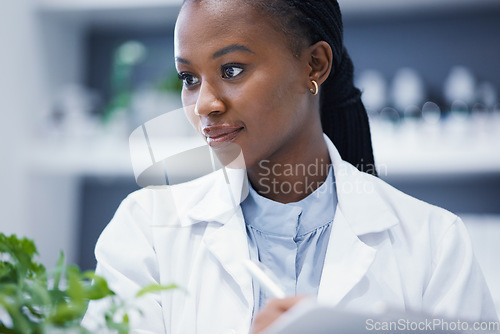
(292, 219)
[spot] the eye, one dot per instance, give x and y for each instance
(231, 71)
(188, 79)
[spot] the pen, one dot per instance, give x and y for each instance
(264, 276)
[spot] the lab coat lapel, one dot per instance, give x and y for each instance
(229, 245)
(359, 197)
(347, 261)
(360, 211)
(227, 189)
(227, 239)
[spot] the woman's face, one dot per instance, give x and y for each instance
(242, 84)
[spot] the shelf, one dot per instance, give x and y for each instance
(460, 149)
(113, 14)
(95, 5)
(402, 153)
(147, 13)
(380, 7)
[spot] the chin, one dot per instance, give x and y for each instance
(231, 155)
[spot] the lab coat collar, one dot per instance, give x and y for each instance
(222, 197)
(361, 204)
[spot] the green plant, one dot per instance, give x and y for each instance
(33, 300)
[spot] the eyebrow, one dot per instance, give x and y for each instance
(231, 48)
(181, 60)
(220, 53)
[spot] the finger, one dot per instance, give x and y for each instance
(272, 311)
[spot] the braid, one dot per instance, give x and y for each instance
(343, 115)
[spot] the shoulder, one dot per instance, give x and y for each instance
(407, 214)
(171, 198)
(405, 205)
(132, 231)
(153, 206)
(421, 227)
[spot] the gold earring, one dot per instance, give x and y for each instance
(314, 90)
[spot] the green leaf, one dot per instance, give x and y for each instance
(20, 253)
(5, 330)
(98, 289)
(155, 288)
(58, 271)
(8, 272)
(19, 321)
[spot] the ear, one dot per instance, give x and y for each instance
(320, 58)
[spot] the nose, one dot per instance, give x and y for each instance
(208, 101)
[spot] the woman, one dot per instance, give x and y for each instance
(269, 77)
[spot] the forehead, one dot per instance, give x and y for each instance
(214, 23)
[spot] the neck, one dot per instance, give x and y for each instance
(292, 177)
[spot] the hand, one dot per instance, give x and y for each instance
(272, 311)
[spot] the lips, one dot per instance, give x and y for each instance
(220, 134)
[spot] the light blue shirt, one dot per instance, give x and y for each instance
(291, 239)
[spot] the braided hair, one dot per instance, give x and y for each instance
(343, 115)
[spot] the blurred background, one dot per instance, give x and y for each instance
(77, 77)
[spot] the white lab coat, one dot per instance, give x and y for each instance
(385, 246)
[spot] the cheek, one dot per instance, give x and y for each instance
(272, 99)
